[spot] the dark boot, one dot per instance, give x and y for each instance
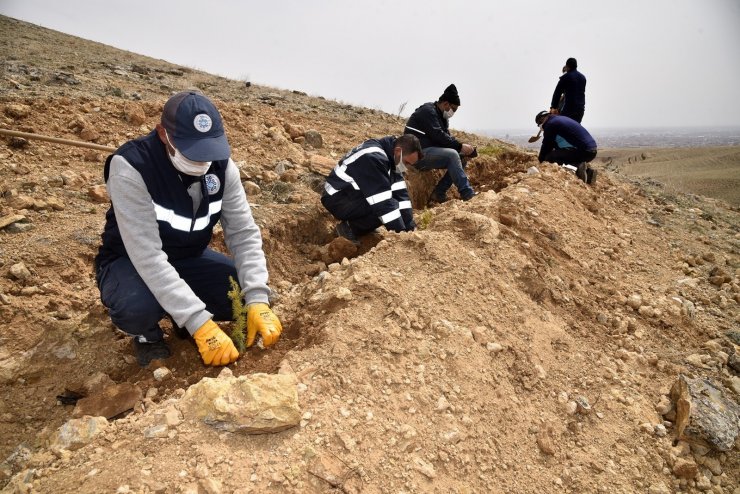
(146, 352)
(581, 172)
(344, 229)
(591, 176)
(436, 198)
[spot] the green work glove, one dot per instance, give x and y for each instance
(261, 318)
(214, 346)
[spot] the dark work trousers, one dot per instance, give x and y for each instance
(134, 309)
(576, 115)
(570, 156)
(351, 206)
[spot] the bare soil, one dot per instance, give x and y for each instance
(443, 360)
(708, 171)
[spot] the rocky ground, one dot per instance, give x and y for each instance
(525, 341)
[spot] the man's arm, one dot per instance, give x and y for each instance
(429, 124)
(401, 194)
(243, 238)
(559, 89)
(548, 143)
(137, 223)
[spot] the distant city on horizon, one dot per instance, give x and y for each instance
(638, 137)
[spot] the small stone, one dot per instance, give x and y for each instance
(713, 465)
(659, 488)
(251, 188)
(98, 194)
(494, 347)
(703, 483)
(664, 406)
(426, 469)
(19, 227)
(314, 139)
(685, 469)
(479, 335)
(343, 293)
(162, 373)
(156, 431)
(442, 404)
(211, 486)
(20, 272)
(582, 405)
(660, 430)
(634, 301)
(646, 310)
(546, 440)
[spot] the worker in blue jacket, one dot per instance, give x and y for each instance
(367, 189)
(579, 149)
(572, 88)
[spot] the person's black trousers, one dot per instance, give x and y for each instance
(352, 207)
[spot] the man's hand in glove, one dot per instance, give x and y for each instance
(261, 318)
(214, 346)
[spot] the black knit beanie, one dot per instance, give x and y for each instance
(450, 95)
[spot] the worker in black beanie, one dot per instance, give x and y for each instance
(430, 123)
(450, 95)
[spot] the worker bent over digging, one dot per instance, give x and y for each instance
(366, 189)
(168, 190)
(568, 144)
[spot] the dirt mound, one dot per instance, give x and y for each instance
(524, 341)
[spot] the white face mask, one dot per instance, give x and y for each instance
(448, 114)
(186, 166)
(400, 166)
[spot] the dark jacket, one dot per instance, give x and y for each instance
(432, 129)
(368, 173)
(182, 232)
(573, 85)
(568, 129)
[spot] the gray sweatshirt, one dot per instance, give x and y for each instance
(137, 223)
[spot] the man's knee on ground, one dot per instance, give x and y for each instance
(133, 312)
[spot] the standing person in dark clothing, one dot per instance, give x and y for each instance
(582, 147)
(430, 123)
(572, 86)
(366, 189)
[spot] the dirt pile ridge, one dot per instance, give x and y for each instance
(520, 342)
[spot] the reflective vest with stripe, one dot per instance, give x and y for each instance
(182, 232)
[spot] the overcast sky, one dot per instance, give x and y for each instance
(648, 62)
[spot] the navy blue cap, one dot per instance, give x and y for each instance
(195, 128)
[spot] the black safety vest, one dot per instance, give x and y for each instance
(182, 232)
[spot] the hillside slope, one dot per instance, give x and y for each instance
(709, 171)
(520, 342)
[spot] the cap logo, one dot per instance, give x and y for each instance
(202, 122)
(213, 184)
